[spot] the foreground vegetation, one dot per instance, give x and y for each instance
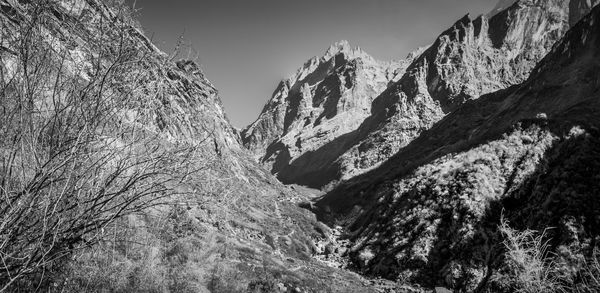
(120, 172)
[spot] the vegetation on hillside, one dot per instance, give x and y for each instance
(71, 164)
(122, 174)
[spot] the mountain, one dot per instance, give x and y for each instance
(473, 57)
(527, 154)
(121, 172)
(329, 97)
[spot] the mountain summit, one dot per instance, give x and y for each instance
(328, 97)
(377, 113)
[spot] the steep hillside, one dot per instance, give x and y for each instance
(473, 57)
(121, 173)
(528, 153)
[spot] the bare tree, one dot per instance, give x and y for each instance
(78, 146)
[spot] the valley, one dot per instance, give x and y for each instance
(470, 165)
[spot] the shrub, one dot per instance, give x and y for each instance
(75, 154)
(527, 261)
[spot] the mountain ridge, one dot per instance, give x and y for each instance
(302, 113)
(523, 154)
(473, 57)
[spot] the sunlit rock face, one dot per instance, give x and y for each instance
(327, 98)
(473, 57)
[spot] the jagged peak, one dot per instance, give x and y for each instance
(466, 18)
(457, 30)
(341, 46)
(308, 66)
(464, 21)
(415, 53)
(337, 48)
(344, 47)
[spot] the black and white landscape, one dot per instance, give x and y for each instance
(470, 165)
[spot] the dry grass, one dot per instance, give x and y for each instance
(589, 275)
(529, 266)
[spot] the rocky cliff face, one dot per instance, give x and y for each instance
(329, 97)
(473, 57)
(75, 65)
(528, 153)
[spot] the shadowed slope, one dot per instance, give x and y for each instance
(430, 213)
(471, 58)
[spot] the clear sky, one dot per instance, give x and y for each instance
(247, 46)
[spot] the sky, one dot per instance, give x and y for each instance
(245, 47)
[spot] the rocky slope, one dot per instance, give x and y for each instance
(528, 153)
(225, 224)
(329, 97)
(473, 57)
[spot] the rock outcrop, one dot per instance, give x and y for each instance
(328, 98)
(473, 57)
(528, 154)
